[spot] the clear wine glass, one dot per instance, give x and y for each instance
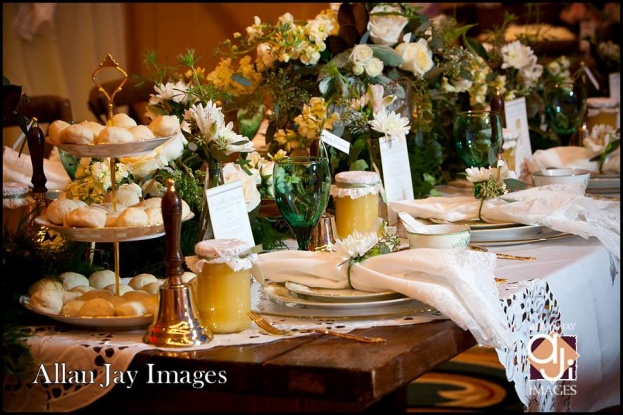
(302, 187)
(565, 107)
(478, 137)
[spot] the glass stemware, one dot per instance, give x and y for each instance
(302, 187)
(478, 137)
(565, 107)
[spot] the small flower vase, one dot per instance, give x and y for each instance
(214, 178)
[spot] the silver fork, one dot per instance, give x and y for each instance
(270, 329)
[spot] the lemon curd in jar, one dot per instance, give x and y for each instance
(356, 198)
(16, 205)
(223, 294)
(601, 111)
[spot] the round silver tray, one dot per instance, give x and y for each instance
(132, 148)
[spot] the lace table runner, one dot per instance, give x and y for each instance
(95, 357)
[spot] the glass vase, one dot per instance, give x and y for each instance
(214, 178)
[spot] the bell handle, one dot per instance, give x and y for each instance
(36, 141)
(172, 218)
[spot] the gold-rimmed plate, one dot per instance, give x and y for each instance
(345, 295)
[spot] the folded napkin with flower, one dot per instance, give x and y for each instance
(458, 283)
(560, 207)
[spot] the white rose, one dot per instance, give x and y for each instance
(417, 57)
(374, 67)
(233, 172)
(386, 30)
(360, 55)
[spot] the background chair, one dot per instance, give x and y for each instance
(132, 99)
(46, 108)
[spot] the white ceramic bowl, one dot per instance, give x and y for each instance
(561, 176)
(441, 236)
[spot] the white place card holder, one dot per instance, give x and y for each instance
(228, 212)
(396, 173)
(614, 83)
(517, 119)
(335, 141)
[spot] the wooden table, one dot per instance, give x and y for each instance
(304, 374)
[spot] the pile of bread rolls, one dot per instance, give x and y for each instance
(73, 294)
(129, 212)
(124, 129)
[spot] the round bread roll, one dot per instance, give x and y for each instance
(138, 281)
(55, 129)
(128, 194)
(137, 295)
(132, 217)
(165, 125)
(47, 301)
(70, 295)
(72, 308)
(152, 288)
(188, 276)
(123, 288)
(154, 216)
(185, 209)
(73, 279)
(86, 217)
(95, 127)
(116, 300)
(76, 134)
(141, 132)
(45, 283)
(122, 119)
(97, 293)
(100, 279)
(97, 307)
(82, 289)
(114, 135)
(58, 208)
(152, 202)
(130, 308)
(151, 304)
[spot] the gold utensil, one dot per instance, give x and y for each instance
(270, 329)
(503, 256)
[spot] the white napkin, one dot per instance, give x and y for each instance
(458, 283)
(17, 168)
(560, 207)
(573, 157)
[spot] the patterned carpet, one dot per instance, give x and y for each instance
(474, 381)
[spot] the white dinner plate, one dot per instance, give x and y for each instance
(346, 295)
(544, 234)
(280, 293)
(131, 148)
(474, 224)
(598, 183)
(107, 323)
(505, 233)
(107, 234)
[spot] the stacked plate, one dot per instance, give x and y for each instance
(604, 184)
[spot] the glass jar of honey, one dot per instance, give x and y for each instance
(356, 198)
(222, 288)
(602, 110)
(17, 204)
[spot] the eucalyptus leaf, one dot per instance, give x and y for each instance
(386, 54)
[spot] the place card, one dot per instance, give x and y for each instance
(396, 173)
(517, 119)
(228, 212)
(334, 141)
(614, 84)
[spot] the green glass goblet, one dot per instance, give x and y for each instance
(478, 137)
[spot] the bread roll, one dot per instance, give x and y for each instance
(123, 120)
(151, 304)
(58, 208)
(154, 216)
(47, 301)
(100, 279)
(123, 288)
(72, 308)
(130, 308)
(45, 283)
(116, 300)
(76, 134)
(136, 295)
(141, 132)
(188, 276)
(128, 194)
(55, 129)
(86, 217)
(82, 289)
(96, 293)
(114, 135)
(97, 307)
(73, 279)
(138, 281)
(132, 217)
(94, 126)
(152, 288)
(70, 295)
(152, 202)
(165, 125)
